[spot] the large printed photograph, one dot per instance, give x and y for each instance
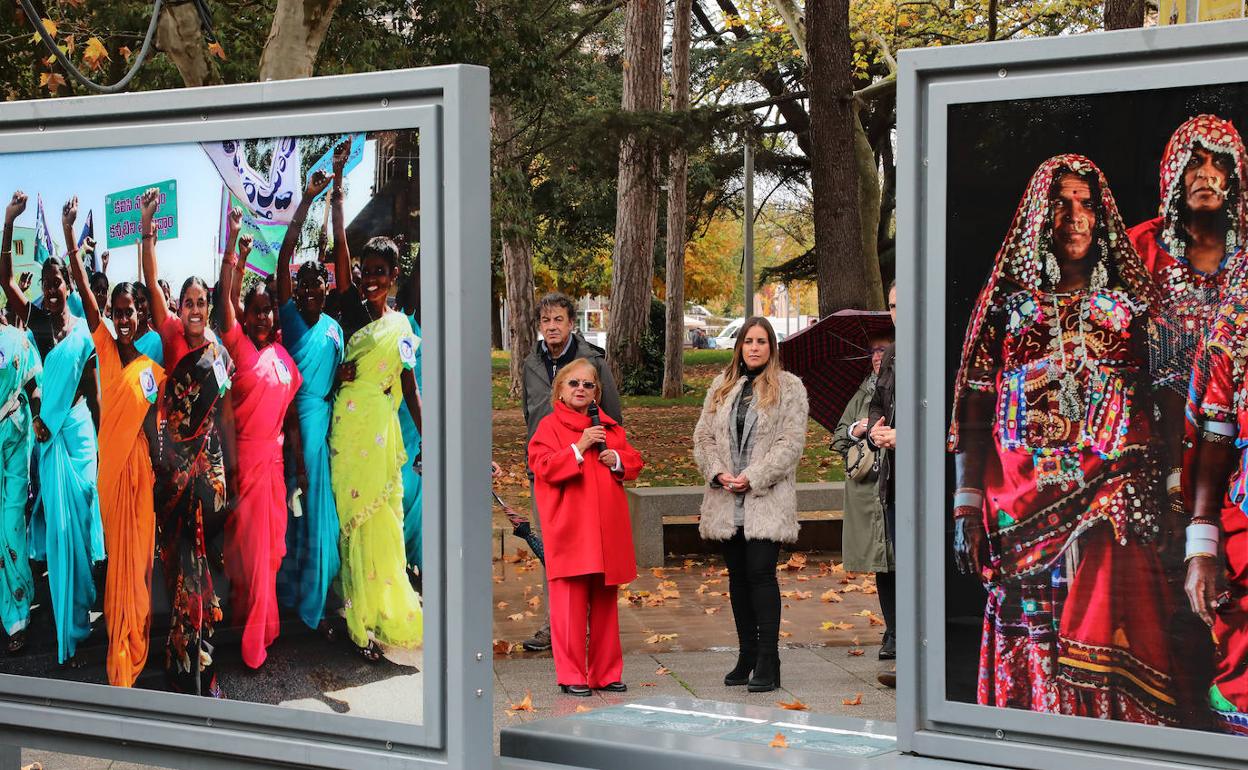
(1097, 346)
(210, 376)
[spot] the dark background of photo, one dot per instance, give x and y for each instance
(994, 148)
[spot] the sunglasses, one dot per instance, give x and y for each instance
(586, 384)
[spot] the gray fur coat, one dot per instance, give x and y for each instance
(778, 437)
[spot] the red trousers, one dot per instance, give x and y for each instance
(575, 603)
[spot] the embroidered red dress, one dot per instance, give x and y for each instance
(1077, 598)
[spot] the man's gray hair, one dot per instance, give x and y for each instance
(557, 299)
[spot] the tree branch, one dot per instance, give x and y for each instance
(597, 19)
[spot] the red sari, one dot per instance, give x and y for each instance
(264, 384)
(1077, 600)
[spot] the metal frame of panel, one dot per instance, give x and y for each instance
(449, 106)
(930, 81)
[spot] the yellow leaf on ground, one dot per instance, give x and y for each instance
(854, 701)
(583, 709)
(502, 605)
(852, 587)
(795, 705)
(779, 742)
(712, 610)
(864, 614)
(797, 561)
(830, 596)
(526, 704)
(661, 638)
(658, 572)
(536, 601)
(662, 671)
(702, 589)
(828, 625)
(517, 616)
(785, 634)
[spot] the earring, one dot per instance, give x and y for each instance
(1100, 276)
(1052, 270)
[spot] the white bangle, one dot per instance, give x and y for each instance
(1202, 538)
(1174, 481)
(968, 498)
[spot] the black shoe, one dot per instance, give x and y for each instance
(741, 674)
(766, 673)
(888, 651)
(615, 687)
(579, 690)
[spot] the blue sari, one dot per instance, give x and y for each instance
(66, 530)
(19, 362)
(312, 558)
(151, 346)
(412, 482)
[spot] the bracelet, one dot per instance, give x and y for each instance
(968, 497)
(1204, 520)
(1174, 481)
(1191, 556)
(968, 512)
(1202, 539)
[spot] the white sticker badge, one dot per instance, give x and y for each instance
(407, 352)
(147, 381)
(283, 373)
(218, 369)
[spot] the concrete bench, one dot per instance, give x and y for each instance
(665, 519)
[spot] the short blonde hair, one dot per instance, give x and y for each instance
(565, 374)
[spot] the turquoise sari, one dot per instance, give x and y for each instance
(66, 530)
(312, 559)
(19, 362)
(151, 346)
(412, 482)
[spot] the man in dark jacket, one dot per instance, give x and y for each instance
(559, 346)
(883, 438)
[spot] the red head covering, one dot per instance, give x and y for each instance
(1217, 136)
(1019, 262)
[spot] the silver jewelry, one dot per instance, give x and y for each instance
(1100, 275)
(1052, 270)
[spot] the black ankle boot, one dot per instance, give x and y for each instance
(741, 674)
(766, 673)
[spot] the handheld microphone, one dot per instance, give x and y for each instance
(595, 420)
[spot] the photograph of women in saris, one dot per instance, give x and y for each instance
(204, 472)
(1095, 511)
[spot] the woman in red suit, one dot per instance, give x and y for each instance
(580, 469)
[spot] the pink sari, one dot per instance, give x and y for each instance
(264, 385)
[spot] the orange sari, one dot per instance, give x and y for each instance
(126, 483)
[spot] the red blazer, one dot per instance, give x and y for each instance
(584, 512)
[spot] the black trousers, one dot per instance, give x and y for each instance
(754, 592)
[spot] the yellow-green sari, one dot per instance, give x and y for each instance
(367, 459)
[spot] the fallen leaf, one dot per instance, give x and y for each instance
(864, 614)
(830, 596)
(852, 587)
(583, 709)
(828, 625)
(779, 742)
(658, 572)
(661, 638)
(501, 647)
(712, 610)
(856, 653)
(662, 671)
(667, 584)
(785, 634)
(536, 601)
(797, 561)
(527, 703)
(517, 616)
(702, 589)
(795, 705)
(854, 701)
(502, 605)
(648, 684)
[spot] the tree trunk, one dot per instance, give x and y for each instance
(869, 213)
(796, 23)
(677, 211)
(842, 282)
(512, 189)
(637, 194)
(1124, 14)
(295, 37)
(496, 313)
(179, 35)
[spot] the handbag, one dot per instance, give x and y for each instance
(860, 461)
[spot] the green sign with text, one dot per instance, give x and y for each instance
(122, 214)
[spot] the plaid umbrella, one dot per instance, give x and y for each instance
(833, 357)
